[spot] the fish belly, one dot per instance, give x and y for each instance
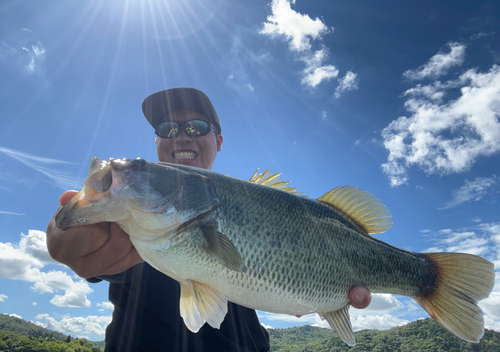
(301, 275)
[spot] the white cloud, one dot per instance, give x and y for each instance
(381, 303)
(9, 213)
(3, 297)
(34, 304)
(445, 137)
(15, 316)
(35, 244)
(35, 54)
(363, 322)
(491, 305)
(472, 191)
(469, 241)
(37, 163)
(6, 49)
(323, 115)
(267, 326)
(22, 52)
(376, 316)
(439, 64)
(315, 73)
(481, 34)
(25, 261)
(243, 62)
(76, 326)
(348, 82)
(296, 28)
(106, 305)
(377, 322)
(304, 320)
(299, 30)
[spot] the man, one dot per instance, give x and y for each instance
(146, 315)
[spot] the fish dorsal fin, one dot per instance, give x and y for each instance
(269, 179)
(359, 207)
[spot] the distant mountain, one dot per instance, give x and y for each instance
(21, 335)
(422, 335)
(26, 328)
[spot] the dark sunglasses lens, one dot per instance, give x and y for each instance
(168, 129)
(197, 128)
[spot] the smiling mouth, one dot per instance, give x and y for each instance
(184, 155)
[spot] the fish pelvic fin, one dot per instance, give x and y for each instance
(220, 247)
(200, 303)
(269, 179)
(463, 280)
(359, 207)
(340, 322)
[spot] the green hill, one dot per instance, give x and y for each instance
(26, 328)
(422, 335)
(20, 335)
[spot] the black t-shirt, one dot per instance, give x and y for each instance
(146, 318)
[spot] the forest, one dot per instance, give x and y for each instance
(422, 335)
(20, 335)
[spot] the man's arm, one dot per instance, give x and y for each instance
(91, 250)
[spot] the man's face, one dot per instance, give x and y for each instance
(187, 150)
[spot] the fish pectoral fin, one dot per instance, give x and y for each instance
(199, 304)
(222, 249)
(340, 323)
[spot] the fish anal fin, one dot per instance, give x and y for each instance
(200, 303)
(462, 280)
(340, 323)
(359, 207)
(222, 249)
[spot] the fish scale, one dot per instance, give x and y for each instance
(225, 239)
(322, 240)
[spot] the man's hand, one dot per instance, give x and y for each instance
(91, 250)
(360, 297)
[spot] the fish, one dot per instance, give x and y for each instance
(262, 245)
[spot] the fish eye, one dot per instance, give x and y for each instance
(107, 180)
(138, 163)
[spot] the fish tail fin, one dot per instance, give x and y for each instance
(462, 281)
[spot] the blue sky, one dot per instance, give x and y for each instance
(399, 98)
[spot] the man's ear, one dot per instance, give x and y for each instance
(219, 140)
(157, 141)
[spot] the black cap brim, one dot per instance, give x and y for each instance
(157, 106)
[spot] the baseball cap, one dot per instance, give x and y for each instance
(158, 105)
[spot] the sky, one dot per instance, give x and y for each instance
(399, 98)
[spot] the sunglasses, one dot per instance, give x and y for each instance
(193, 128)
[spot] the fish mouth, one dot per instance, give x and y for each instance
(77, 213)
(184, 154)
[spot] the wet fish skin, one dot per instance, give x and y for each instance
(226, 239)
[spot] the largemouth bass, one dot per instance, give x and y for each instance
(225, 239)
